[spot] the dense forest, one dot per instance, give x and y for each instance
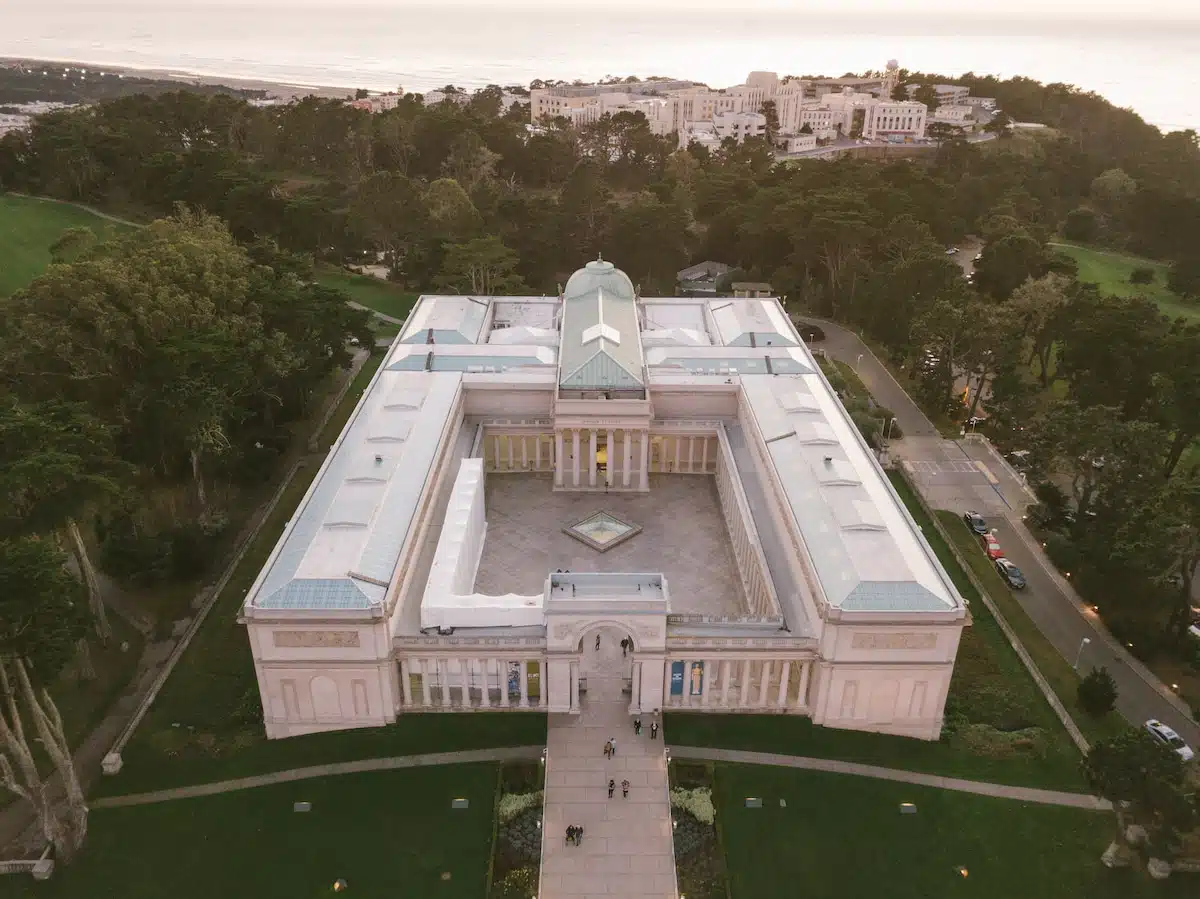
(180, 353)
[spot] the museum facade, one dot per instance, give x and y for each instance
(526, 475)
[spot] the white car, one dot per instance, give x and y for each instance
(1167, 736)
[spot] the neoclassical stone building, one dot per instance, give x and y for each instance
(526, 475)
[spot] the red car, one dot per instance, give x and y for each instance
(991, 546)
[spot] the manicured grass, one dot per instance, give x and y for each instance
(990, 688)
(374, 293)
(842, 836)
(388, 834)
(29, 226)
(1110, 270)
(1061, 676)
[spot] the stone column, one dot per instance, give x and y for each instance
(444, 677)
(406, 682)
(574, 686)
(465, 664)
(691, 454)
(426, 699)
(537, 453)
(764, 683)
(635, 687)
(502, 679)
(708, 678)
(725, 670)
(543, 683)
(508, 439)
(678, 451)
(575, 456)
(610, 461)
(592, 457)
(685, 691)
(524, 683)
(645, 473)
(524, 451)
(802, 693)
(745, 692)
(704, 455)
(786, 673)
(558, 459)
(485, 700)
(667, 665)
(496, 451)
(628, 459)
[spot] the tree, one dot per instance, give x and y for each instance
(40, 623)
(1000, 125)
(1177, 392)
(470, 162)
(1097, 692)
(1038, 305)
(1184, 277)
(481, 267)
(1081, 224)
(1008, 262)
(771, 113)
(994, 344)
(1144, 781)
(942, 132)
(927, 95)
(72, 244)
(59, 461)
(388, 212)
(1112, 189)
(1141, 275)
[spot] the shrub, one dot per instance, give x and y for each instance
(512, 804)
(690, 835)
(521, 777)
(1097, 692)
(519, 883)
(1081, 224)
(696, 802)
(521, 838)
(1141, 275)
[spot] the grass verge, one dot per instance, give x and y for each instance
(386, 833)
(1110, 271)
(1057, 671)
(374, 293)
(29, 226)
(842, 836)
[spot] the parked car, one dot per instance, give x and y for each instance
(1011, 574)
(978, 256)
(1167, 736)
(975, 522)
(991, 546)
(950, 251)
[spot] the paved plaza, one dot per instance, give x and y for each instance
(683, 536)
(626, 848)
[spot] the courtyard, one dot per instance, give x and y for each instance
(683, 535)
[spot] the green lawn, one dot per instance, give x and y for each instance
(388, 834)
(1110, 271)
(373, 293)
(27, 229)
(842, 836)
(990, 689)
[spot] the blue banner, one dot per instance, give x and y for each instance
(677, 678)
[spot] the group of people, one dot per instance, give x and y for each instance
(637, 728)
(612, 786)
(575, 834)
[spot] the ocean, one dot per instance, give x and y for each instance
(1152, 67)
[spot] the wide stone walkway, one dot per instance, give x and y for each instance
(626, 849)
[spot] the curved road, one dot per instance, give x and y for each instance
(967, 474)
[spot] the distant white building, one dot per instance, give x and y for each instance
(797, 143)
(962, 116)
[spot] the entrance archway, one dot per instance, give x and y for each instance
(606, 656)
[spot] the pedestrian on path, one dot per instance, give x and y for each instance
(612, 785)
(625, 789)
(570, 834)
(608, 749)
(653, 730)
(637, 727)
(597, 642)
(612, 747)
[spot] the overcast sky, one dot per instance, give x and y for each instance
(1056, 9)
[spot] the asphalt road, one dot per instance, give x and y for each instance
(965, 474)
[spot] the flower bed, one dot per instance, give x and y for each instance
(699, 857)
(517, 844)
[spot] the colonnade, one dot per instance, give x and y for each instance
(627, 468)
(460, 678)
(683, 453)
(518, 452)
(751, 563)
(780, 684)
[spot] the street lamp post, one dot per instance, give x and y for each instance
(1079, 655)
(858, 361)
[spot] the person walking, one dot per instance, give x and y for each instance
(625, 789)
(607, 749)
(597, 642)
(612, 747)
(653, 730)
(637, 727)
(612, 785)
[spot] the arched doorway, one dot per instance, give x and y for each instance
(606, 657)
